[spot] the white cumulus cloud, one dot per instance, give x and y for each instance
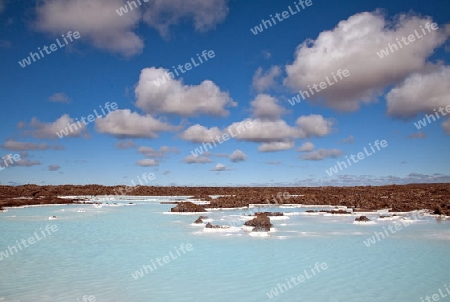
(174, 97)
(238, 156)
(263, 81)
(420, 93)
(200, 134)
(353, 45)
(265, 106)
(95, 20)
(124, 123)
(306, 147)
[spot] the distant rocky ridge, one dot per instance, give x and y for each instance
(398, 198)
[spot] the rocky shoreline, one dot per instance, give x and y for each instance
(397, 198)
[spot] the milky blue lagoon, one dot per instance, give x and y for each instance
(97, 252)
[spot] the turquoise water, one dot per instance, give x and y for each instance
(95, 251)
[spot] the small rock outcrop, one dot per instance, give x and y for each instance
(261, 223)
(439, 211)
(200, 219)
(210, 226)
(362, 219)
(188, 207)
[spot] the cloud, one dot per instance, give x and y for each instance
(200, 134)
(263, 130)
(202, 159)
(147, 162)
(53, 167)
(349, 140)
(23, 146)
(276, 146)
(59, 97)
(266, 107)
(266, 54)
(175, 98)
(205, 14)
(277, 135)
(238, 156)
(124, 123)
(322, 154)
(219, 167)
(353, 45)
(420, 92)
(150, 152)
(127, 144)
(50, 130)
(99, 23)
(263, 81)
(314, 125)
(26, 163)
(419, 134)
(95, 20)
(277, 162)
(306, 147)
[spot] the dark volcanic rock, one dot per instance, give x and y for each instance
(200, 219)
(261, 223)
(210, 226)
(188, 207)
(335, 212)
(398, 198)
(362, 219)
(270, 213)
(439, 211)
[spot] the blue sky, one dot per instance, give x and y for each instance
(250, 78)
